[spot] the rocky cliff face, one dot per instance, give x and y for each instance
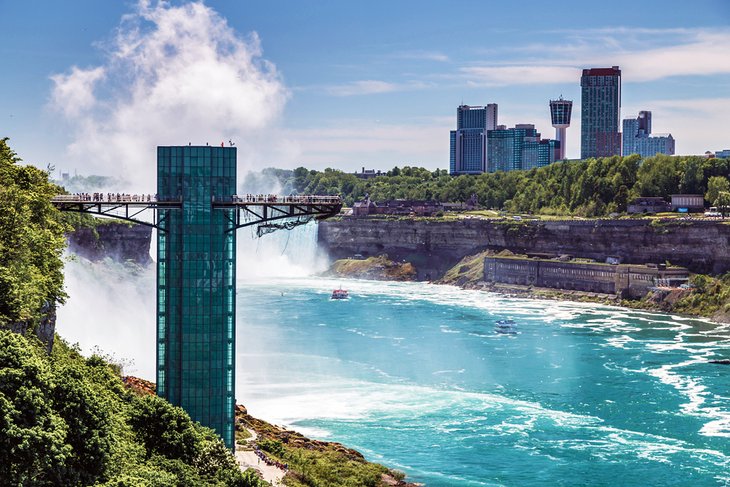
(116, 240)
(434, 246)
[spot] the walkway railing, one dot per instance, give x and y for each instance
(111, 198)
(258, 199)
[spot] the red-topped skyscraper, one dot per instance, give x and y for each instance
(600, 108)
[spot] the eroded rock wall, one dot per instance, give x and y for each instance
(118, 241)
(434, 246)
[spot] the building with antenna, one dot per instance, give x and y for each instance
(560, 111)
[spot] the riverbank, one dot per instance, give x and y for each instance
(707, 296)
(290, 458)
(284, 457)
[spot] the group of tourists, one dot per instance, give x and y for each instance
(115, 197)
(268, 461)
(272, 198)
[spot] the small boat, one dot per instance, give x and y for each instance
(340, 294)
(505, 323)
(505, 327)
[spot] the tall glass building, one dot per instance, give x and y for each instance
(600, 112)
(468, 143)
(638, 139)
(196, 255)
(520, 148)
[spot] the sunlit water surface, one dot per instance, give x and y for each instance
(416, 377)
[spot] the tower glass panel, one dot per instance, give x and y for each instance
(196, 254)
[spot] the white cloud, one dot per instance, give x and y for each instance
(351, 144)
(422, 55)
(707, 54)
(364, 87)
(173, 75)
(74, 92)
(518, 75)
(643, 55)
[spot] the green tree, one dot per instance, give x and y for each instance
(723, 202)
(164, 429)
(715, 185)
(31, 242)
(33, 448)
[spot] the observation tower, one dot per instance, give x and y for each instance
(196, 212)
(560, 117)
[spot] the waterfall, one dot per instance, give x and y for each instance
(111, 305)
(111, 309)
(284, 253)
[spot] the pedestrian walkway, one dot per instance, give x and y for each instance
(247, 458)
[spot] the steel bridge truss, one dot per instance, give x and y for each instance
(267, 213)
(262, 214)
(131, 211)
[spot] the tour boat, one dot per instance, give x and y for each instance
(340, 294)
(505, 327)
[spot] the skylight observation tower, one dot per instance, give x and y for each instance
(196, 213)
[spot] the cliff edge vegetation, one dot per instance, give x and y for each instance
(31, 244)
(314, 462)
(377, 268)
(69, 420)
(707, 296)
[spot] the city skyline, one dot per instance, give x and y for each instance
(330, 85)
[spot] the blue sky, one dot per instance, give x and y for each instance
(94, 86)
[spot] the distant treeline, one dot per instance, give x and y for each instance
(592, 187)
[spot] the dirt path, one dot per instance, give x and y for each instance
(246, 458)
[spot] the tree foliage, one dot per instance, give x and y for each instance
(31, 241)
(716, 185)
(592, 187)
(67, 420)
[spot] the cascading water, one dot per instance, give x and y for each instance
(111, 307)
(284, 253)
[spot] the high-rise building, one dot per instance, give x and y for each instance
(196, 275)
(560, 111)
(468, 143)
(519, 148)
(644, 123)
(638, 139)
(600, 112)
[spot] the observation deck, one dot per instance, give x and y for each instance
(252, 209)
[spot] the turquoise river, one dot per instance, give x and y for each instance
(418, 377)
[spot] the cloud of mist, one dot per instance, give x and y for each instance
(172, 75)
(111, 306)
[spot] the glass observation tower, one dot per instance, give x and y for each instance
(196, 275)
(196, 213)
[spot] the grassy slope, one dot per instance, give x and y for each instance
(380, 267)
